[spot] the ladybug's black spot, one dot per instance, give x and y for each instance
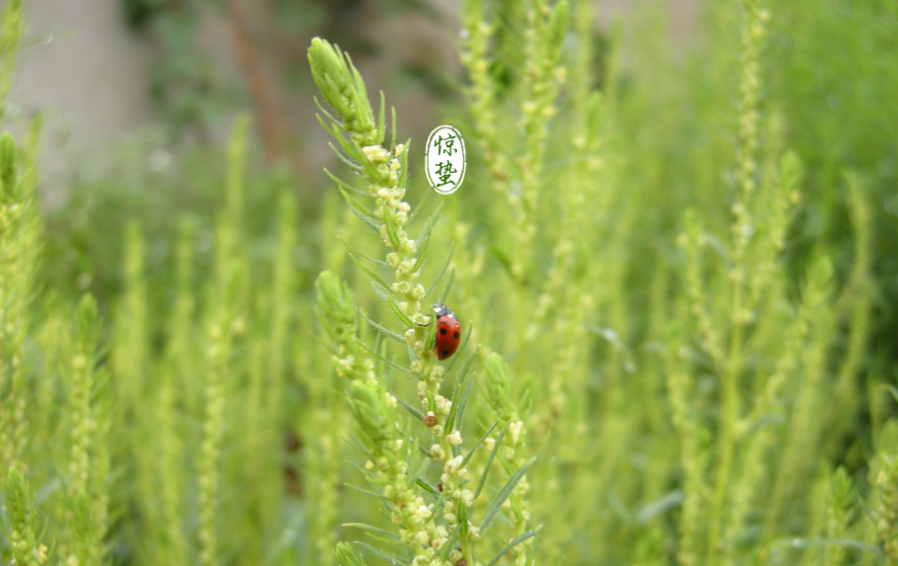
(455, 336)
(443, 331)
(445, 352)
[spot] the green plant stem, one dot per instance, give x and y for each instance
(467, 549)
(727, 442)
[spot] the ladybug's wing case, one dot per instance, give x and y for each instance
(448, 334)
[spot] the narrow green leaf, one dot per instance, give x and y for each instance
(479, 442)
(514, 542)
(423, 242)
(379, 344)
(659, 507)
(366, 492)
(354, 166)
(422, 257)
(391, 228)
(381, 119)
(358, 445)
(370, 273)
(371, 224)
(463, 404)
(325, 112)
(374, 537)
(382, 330)
(450, 542)
(369, 528)
(423, 463)
(442, 271)
(489, 461)
(348, 147)
(420, 449)
(467, 365)
(403, 164)
(461, 348)
(425, 233)
(383, 359)
(369, 168)
(448, 287)
(504, 493)
(533, 552)
(359, 207)
(360, 254)
(354, 151)
(390, 558)
(427, 487)
(414, 412)
(418, 208)
(414, 456)
(393, 129)
(431, 334)
(403, 318)
(343, 184)
(383, 294)
(329, 128)
(459, 384)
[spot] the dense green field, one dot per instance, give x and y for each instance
(675, 265)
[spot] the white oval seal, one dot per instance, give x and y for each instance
(444, 159)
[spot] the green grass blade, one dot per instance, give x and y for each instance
(514, 542)
(479, 442)
(390, 558)
(459, 383)
(382, 330)
(370, 273)
(448, 287)
(369, 528)
(381, 119)
(383, 359)
(442, 271)
(356, 205)
(403, 318)
(458, 422)
(414, 412)
(461, 348)
(393, 129)
(418, 208)
(427, 487)
(424, 236)
(366, 492)
(360, 254)
(489, 461)
(431, 334)
(450, 542)
(341, 183)
(403, 164)
(391, 228)
(504, 493)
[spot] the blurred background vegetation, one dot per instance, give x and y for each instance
(630, 423)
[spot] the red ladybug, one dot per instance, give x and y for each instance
(448, 331)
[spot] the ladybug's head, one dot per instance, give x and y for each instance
(441, 310)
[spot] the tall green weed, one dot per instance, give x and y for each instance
(674, 274)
